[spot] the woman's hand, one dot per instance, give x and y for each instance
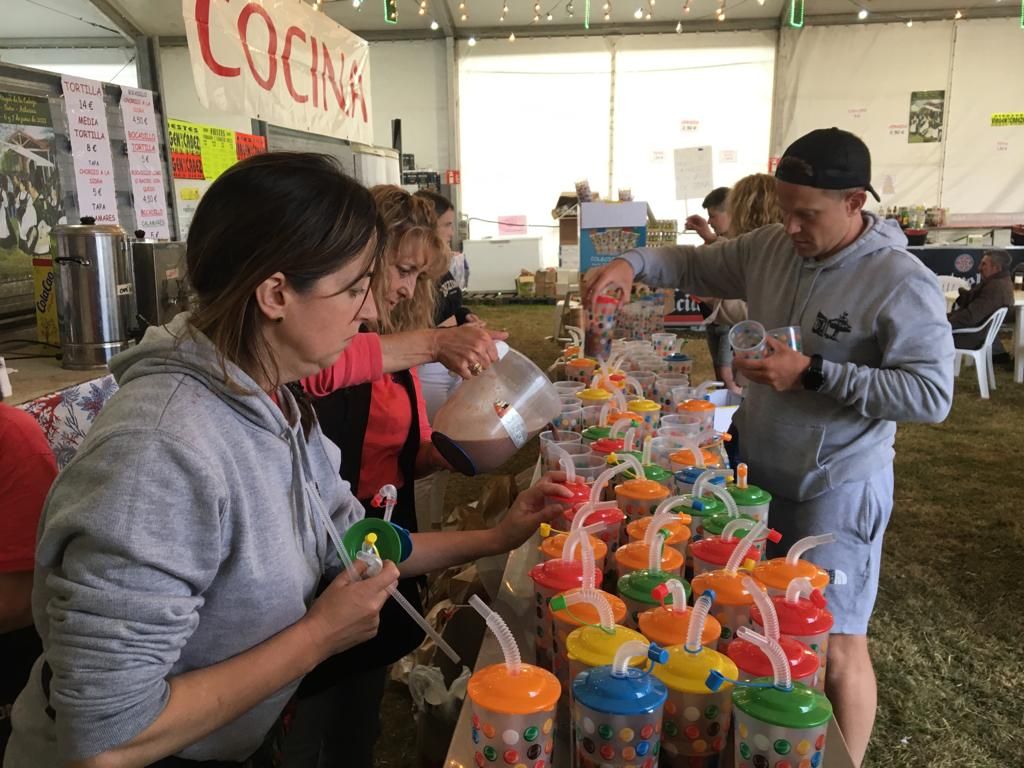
(347, 613)
(529, 510)
(467, 349)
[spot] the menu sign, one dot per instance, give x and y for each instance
(140, 130)
(186, 155)
(90, 149)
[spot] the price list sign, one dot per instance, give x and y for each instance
(140, 130)
(186, 152)
(90, 149)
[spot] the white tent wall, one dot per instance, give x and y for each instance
(696, 90)
(409, 81)
(860, 78)
(109, 65)
(533, 120)
(984, 168)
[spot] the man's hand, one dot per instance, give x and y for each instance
(781, 370)
(467, 349)
(529, 510)
(700, 225)
(615, 274)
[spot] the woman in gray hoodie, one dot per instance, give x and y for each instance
(179, 552)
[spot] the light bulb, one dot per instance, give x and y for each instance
(638, 13)
(862, 14)
(502, 18)
(471, 42)
(679, 27)
(434, 25)
(549, 17)
(504, 8)
(958, 15)
(607, 17)
(463, 17)
(721, 17)
(910, 23)
(423, 11)
(512, 37)
(536, 18)
(356, 3)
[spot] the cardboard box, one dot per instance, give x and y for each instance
(545, 281)
(526, 286)
(569, 257)
(566, 213)
(609, 229)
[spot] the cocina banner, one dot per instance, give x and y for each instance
(280, 61)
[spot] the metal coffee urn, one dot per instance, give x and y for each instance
(161, 290)
(95, 293)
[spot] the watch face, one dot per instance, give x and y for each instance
(814, 378)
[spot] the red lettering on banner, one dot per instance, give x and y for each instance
(243, 32)
(203, 29)
(356, 79)
(313, 68)
(286, 59)
(339, 93)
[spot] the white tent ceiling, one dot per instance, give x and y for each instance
(49, 19)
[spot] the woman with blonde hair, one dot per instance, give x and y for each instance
(752, 204)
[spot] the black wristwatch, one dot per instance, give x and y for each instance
(813, 378)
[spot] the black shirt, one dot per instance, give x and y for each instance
(449, 301)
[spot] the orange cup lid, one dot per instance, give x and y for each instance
(553, 546)
(728, 587)
(777, 573)
(636, 554)
(532, 690)
(582, 614)
(696, 405)
(686, 457)
(582, 362)
(678, 531)
(666, 627)
(641, 490)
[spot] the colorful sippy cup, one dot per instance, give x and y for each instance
(549, 578)
(669, 623)
(637, 591)
(776, 573)
(750, 499)
(713, 552)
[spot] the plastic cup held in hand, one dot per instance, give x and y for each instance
(747, 339)
(617, 710)
(513, 703)
(788, 335)
(600, 326)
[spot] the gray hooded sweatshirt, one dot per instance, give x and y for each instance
(184, 532)
(873, 312)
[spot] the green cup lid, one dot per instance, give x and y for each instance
(715, 524)
(596, 433)
(751, 496)
(637, 586)
(389, 544)
(712, 506)
(651, 471)
(801, 707)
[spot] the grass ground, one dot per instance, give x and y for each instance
(948, 628)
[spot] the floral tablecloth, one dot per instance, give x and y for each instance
(65, 416)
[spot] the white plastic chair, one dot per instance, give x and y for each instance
(951, 284)
(982, 357)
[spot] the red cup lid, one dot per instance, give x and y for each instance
(606, 515)
(716, 550)
(604, 298)
(580, 493)
(608, 445)
(750, 659)
(801, 618)
(560, 575)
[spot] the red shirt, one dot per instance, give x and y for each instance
(387, 429)
(360, 362)
(27, 470)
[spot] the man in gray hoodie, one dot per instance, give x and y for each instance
(817, 426)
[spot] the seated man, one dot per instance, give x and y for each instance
(976, 305)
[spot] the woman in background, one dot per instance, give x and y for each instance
(752, 203)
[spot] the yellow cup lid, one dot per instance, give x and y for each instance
(678, 530)
(643, 405)
(687, 672)
(642, 490)
(777, 573)
(666, 627)
(585, 613)
(594, 394)
(553, 546)
(635, 555)
(532, 690)
(593, 647)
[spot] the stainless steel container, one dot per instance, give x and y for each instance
(161, 291)
(95, 293)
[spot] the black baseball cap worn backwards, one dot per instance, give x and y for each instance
(827, 158)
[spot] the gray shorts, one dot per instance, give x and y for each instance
(857, 513)
(718, 345)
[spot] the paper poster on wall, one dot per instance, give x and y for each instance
(140, 130)
(694, 178)
(926, 113)
(1004, 119)
(30, 206)
(90, 149)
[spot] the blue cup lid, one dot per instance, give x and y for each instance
(676, 357)
(690, 475)
(636, 693)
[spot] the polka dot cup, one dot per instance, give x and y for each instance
(695, 728)
(616, 741)
(601, 327)
(764, 745)
(748, 340)
(502, 740)
(817, 643)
